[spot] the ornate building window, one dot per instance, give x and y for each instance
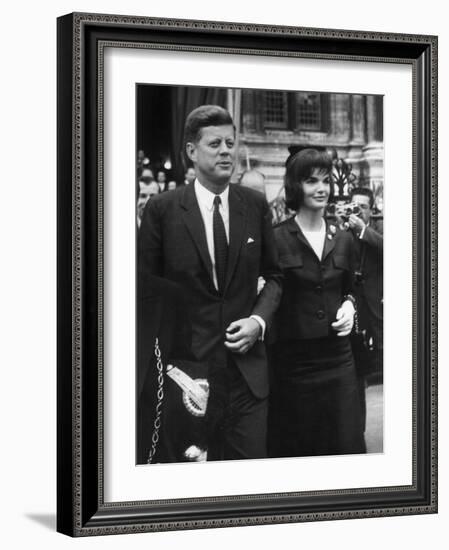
(308, 111)
(275, 110)
(295, 111)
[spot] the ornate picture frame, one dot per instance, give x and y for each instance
(82, 509)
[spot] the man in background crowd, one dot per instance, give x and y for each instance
(142, 162)
(161, 179)
(253, 179)
(147, 175)
(189, 176)
(146, 192)
(369, 276)
(368, 239)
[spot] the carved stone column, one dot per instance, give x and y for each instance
(249, 112)
(373, 152)
(357, 121)
(339, 110)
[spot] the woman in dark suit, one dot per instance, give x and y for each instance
(315, 404)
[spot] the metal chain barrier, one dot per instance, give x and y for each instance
(160, 399)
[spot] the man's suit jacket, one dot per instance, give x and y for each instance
(313, 288)
(172, 244)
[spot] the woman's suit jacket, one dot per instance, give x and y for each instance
(313, 289)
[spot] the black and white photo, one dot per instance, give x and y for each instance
(270, 343)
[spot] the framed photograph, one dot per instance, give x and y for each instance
(247, 277)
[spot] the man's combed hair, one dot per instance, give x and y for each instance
(205, 115)
(365, 191)
(300, 167)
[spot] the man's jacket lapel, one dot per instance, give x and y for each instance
(237, 230)
(194, 223)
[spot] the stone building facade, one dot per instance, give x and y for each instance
(350, 125)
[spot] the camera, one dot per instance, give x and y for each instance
(343, 211)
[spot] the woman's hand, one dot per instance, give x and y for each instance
(345, 319)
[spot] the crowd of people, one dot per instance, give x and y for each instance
(148, 185)
(250, 334)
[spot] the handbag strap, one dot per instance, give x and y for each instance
(362, 257)
(360, 270)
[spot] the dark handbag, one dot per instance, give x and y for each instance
(363, 352)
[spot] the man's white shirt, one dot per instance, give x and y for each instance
(206, 203)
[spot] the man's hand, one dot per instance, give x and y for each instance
(356, 223)
(241, 335)
(345, 319)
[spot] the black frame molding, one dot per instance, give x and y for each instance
(81, 510)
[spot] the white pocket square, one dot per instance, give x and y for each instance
(250, 240)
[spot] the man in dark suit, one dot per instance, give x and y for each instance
(215, 240)
(368, 241)
(368, 235)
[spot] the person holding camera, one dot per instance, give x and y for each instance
(368, 240)
(315, 405)
(367, 344)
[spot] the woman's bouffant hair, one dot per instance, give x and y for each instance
(299, 167)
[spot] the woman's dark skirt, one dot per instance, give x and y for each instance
(315, 405)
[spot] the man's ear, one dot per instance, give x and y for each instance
(191, 151)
